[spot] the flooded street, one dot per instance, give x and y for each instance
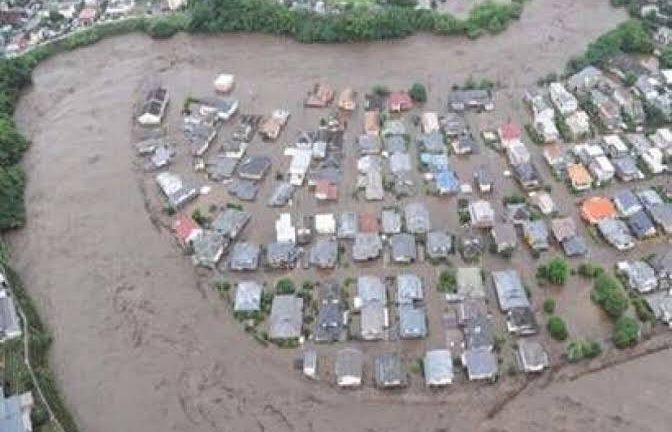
(142, 343)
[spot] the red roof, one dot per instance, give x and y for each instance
(88, 14)
(185, 228)
(324, 189)
(368, 223)
(509, 131)
(399, 101)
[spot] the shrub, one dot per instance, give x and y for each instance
(644, 313)
(586, 349)
(626, 333)
(608, 293)
(201, 219)
(549, 306)
(447, 281)
(166, 26)
(285, 286)
(418, 92)
(591, 271)
(557, 271)
(557, 328)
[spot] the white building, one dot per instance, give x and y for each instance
(563, 100)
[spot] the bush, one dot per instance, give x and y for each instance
(590, 270)
(447, 282)
(166, 26)
(549, 306)
(555, 272)
(626, 333)
(418, 92)
(579, 350)
(644, 313)
(608, 293)
(285, 286)
(557, 328)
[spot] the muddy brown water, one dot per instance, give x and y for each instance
(142, 343)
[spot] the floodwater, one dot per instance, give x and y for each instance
(141, 343)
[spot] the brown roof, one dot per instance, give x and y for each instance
(596, 209)
(368, 223)
(578, 174)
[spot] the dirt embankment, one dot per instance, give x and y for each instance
(140, 345)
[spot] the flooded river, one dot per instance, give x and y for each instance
(141, 345)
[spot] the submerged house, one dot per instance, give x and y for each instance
(348, 367)
(177, 192)
(154, 107)
(510, 290)
(286, 318)
(390, 371)
(9, 319)
(231, 222)
(438, 368)
(244, 256)
(248, 297)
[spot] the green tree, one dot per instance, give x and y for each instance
(557, 328)
(609, 293)
(285, 286)
(558, 271)
(418, 92)
(447, 281)
(549, 306)
(626, 333)
(666, 58)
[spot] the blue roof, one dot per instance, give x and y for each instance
(447, 181)
(435, 162)
(11, 417)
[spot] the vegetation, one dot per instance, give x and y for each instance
(666, 58)
(644, 313)
(556, 271)
(629, 37)
(549, 306)
(626, 333)
(585, 349)
(418, 92)
(590, 271)
(285, 286)
(609, 293)
(201, 219)
(557, 328)
(447, 281)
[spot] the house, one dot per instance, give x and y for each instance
(15, 412)
(536, 235)
(399, 101)
(208, 247)
(87, 16)
(373, 185)
(661, 305)
(630, 106)
(326, 190)
(412, 322)
(248, 296)
(222, 108)
(393, 127)
(575, 246)
(578, 125)
(198, 136)
(616, 233)
(481, 364)
(281, 255)
(460, 100)
(320, 96)
(509, 133)
(479, 333)
(221, 168)
(400, 163)
(186, 229)
(563, 100)
(368, 223)
(367, 247)
(389, 371)
(585, 80)
(231, 222)
(368, 144)
(395, 144)
(464, 144)
(531, 356)
(371, 300)
(346, 100)
(520, 320)
(627, 169)
(602, 170)
(403, 248)
(544, 202)
(662, 139)
(325, 224)
(639, 143)
(662, 216)
(649, 198)
(330, 321)
(538, 104)
(324, 254)
(641, 225)
(447, 182)
(482, 214)
(347, 225)
(595, 209)
(654, 160)
(484, 179)
(608, 111)
(563, 228)
(286, 317)
(546, 128)
(409, 289)
(348, 367)
(439, 244)
(430, 122)
(417, 218)
(285, 232)
(662, 264)
(627, 202)
(390, 221)
(372, 122)
(272, 126)
(518, 213)
(177, 192)
(244, 256)
(244, 190)
(10, 327)
(470, 282)
(510, 290)
(254, 167)
(615, 146)
(527, 176)
(504, 237)
(556, 158)
(639, 274)
(298, 166)
(453, 124)
(663, 35)
(438, 368)
(470, 308)
(154, 107)
(432, 142)
(518, 153)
